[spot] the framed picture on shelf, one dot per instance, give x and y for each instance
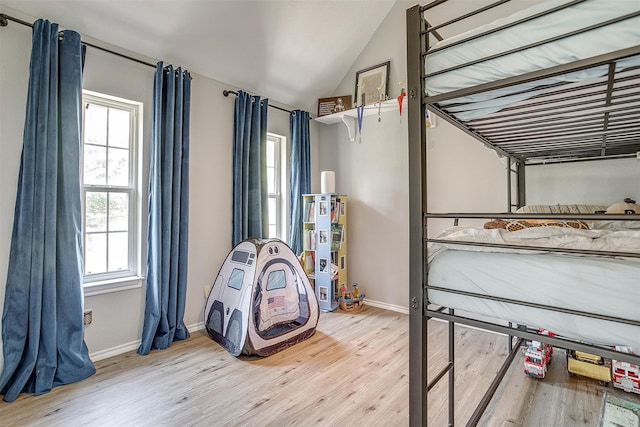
(323, 210)
(323, 265)
(372, 84)
(335, 104)
(323, 293)
(323, 237)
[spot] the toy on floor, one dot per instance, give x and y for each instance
(351, 301)
(589, 365)
(626, 376)
(261, 301)
(538, 356)
(623, 375)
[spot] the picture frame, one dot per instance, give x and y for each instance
(323, 237)
(323, 265)
(323, 209)
(323, 293)
(373, 84)
(334, 104)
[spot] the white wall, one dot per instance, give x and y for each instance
(117, 316)
(463, 176)
(602, 182)
(374, 174)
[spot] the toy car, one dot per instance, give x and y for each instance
(626, 376)
(537, 357)
(589, 365)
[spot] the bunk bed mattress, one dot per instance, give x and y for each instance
(613, 37)
(605, 286)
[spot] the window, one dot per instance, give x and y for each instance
(275, 185)
(110, 185)
(235, 281)
(276, 280)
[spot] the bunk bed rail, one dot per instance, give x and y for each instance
(536, 116)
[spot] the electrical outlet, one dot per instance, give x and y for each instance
(207, 291)
(88, 317)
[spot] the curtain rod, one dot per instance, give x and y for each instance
(4, 18)
(227, 92)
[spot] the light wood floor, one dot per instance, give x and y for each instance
(353, 371)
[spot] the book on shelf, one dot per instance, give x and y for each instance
(310, 263)
(309, 240)
(335, 211)
(310, 211)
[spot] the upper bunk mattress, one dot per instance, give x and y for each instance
(610, 38)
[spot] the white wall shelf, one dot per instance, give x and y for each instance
(369, 110)
(349, 117)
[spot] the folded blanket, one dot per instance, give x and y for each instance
(613, 240)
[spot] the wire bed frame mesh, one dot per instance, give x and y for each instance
(595, 118)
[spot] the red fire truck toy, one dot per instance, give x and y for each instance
(537, 357)
(626, 375)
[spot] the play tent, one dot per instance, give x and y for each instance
(262, 301)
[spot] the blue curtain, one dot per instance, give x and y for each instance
(168, 211)
(250, 210)
(42, 322)
(300, 174)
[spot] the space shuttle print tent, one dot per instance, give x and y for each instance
(261, 301)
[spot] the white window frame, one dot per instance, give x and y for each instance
(131, 277)
(280, 144)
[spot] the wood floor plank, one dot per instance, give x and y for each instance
(353, 371)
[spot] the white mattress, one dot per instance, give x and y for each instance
(621, 35)
(605, 286)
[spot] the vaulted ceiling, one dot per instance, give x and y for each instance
(292, 51)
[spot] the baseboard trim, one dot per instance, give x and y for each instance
(115, 351)
(386, 306)
(131, 346)
(195, 327)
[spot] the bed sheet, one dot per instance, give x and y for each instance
(605, 286)
(621, 35)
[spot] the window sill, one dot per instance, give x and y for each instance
(112, 285)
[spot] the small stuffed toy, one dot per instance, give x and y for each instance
(627, 207)
(496, 223)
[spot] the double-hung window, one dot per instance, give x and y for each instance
(276, 190)
(110, 190)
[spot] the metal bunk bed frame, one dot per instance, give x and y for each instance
(567, 143)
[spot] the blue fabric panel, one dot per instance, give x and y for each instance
(300, 174)
(168, 211)
(250, 210)
(42, 322)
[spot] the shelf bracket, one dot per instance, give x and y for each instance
(350, 123)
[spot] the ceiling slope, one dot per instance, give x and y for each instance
(291, 51)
